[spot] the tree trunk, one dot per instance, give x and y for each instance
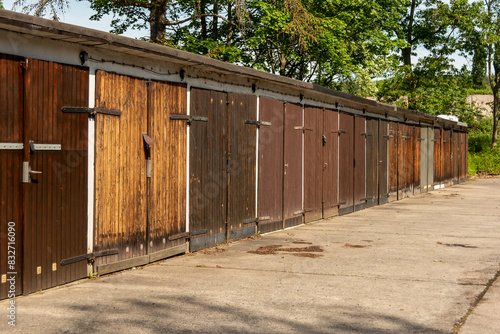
(495, 117)
(203, 21)
(406, 53)
(157, 22)
(215, 24)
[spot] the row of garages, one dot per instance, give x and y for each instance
(107, 163)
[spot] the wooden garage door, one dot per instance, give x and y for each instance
(292, 175)
(270, 187)
(372, 162)
(11, 157)
(393, 161)
(383, 140)
(242, 111)
(208, 174)
(313, 163)
(346, 163)
(359, 163)
(330, 163)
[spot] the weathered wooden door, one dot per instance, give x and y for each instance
(393, 161)
(383, 151)
(463, 157)
(208, 169)
(270, 183)
(438, 157)
(372, 162)
(330, 163)
(447, 155)
(11, 160)
(346, 163)
(424, 147)
(359, 163)
(242, 218)
(55, 192)
(430, 158)
(455, 156)
(313, 163)
(417, 143)
(166, 177)
(292, 175)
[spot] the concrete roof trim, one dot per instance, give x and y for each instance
(22, 23)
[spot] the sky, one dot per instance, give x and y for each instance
(79, 13)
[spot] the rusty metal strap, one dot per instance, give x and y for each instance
(258, 123)
(200, 232)
(188, 118)
(88, 256)
(366, 134)
(91, 111)
(251, 221)
(388, 137)
(303, 128)
(178, 236)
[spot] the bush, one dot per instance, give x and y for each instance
(485, 162)
(482, 158)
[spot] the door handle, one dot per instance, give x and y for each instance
(27, 172)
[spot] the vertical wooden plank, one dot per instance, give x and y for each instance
(313, 164)
(270, 181)
(330, 163)
(292, 174)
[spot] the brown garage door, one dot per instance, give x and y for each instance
(11, 157)
(330, 163)
(242, 154)
(393, 161)
(438, 157)
(270, 187)
(455, 156)
(359, 163)
(292, 187)
(313, 163)
(346, 163)
(417, 141)
(372, 162)
(51, 149)
(167, 180)
(208, 169)
(383, 184)
(447, 153)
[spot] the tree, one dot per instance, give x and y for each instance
(481, 39)
(1, 4)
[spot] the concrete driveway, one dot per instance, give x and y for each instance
(413, 266)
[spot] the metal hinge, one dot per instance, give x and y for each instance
(250, 221)
(388, 137)
(303, 128)
(89, 256)
(258, 123)
(420, 139)
(188, 118)
(91, 111)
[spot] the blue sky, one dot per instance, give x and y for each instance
(79, 13)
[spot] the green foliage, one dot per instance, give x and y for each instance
(1, 4)
(482, 158)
